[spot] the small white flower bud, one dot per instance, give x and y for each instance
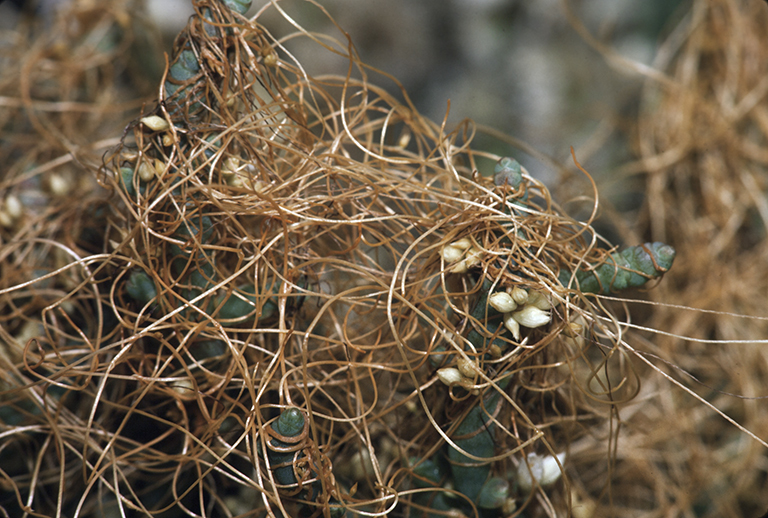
(473, 256)
(5, 220)
(539, 300)
(404, 140)
(450, 375)
(518, 294)
(451, 254)
(574, 332)
(574, 329)
(12, 206)
(238, 181)
(155, 123)
(361, 465)
(184, 387)
(466, 367)
(270, 59)
(502, 302)
(230, 166)
(462, 243)
(159, 167)
(544, 470)
(58, 184)
(146, 171)
(510, 506)
(512, 324)
(10, 211)
(459, 267)
(230, 99)
(531, 317)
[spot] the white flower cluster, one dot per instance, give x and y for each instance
(462, 254)
(521, 308)
(463, 374)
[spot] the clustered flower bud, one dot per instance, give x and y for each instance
(502, 302)
(532, 317)
(463, 374)
(521, 308)
(461, 254)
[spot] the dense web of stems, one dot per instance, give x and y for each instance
(261, 240)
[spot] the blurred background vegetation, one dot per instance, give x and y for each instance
(514, 65)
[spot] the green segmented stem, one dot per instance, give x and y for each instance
(630, 268)
(509, 172)
(199, 227)
(234, 307)
(184, 68)
(237, 307)
(140, 287)
(289, 424)
(239, 6)
(475, 436)
(126, 180)
(204, 349)
(493, 494)
(430, 474)
(484, 313)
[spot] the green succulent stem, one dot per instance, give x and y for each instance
(431, 473)
(483, 312)
(630, 268)
(282, 452)
(289, 424)
(140, 287)
(475, 435)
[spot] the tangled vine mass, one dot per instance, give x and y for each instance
(295, 296)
